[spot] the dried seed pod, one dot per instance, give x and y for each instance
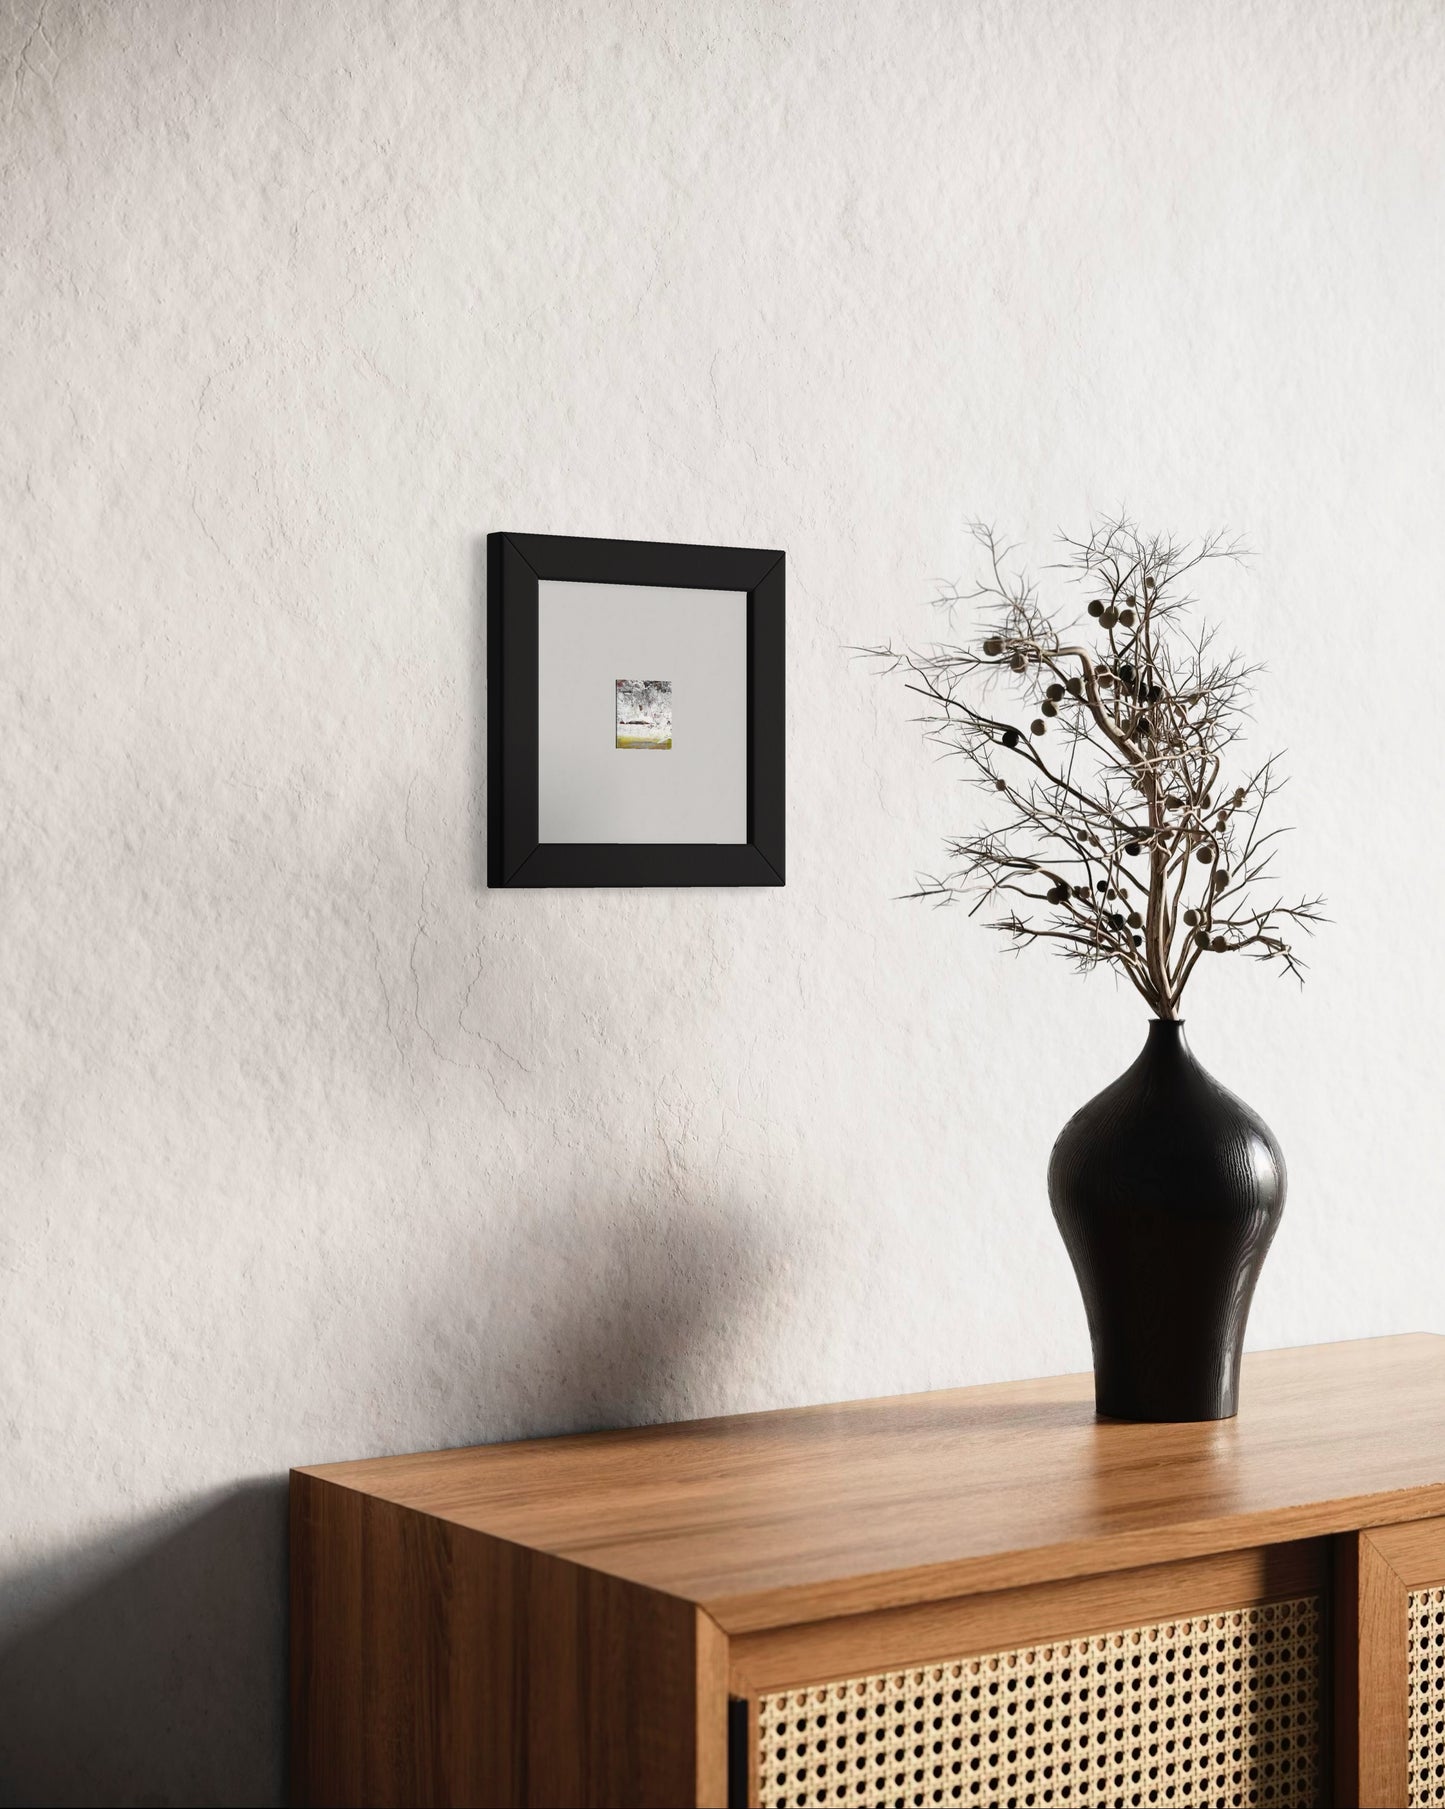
(1096, 608)
(1206, 853)
(1219, 945)
(1010, 738)
(1049, 709)
(993, 646)
(1174, 802)
(1129, 597)
(1138, 941)
(1056, 895)
(1103, 885)
(1201, 940)
(1149, 584)
(1143, 728)
(1111, 893)
(1126, 618)
(1132, 848)
(1208, 801)
(1106, 679)
(1000, 784)
(1017, 662)
(1191, 918)
(1038, 725)
(1239, 797)
(1126, 673)
(1109, 617)
(1135, 921)
(1054, 693)
(1073, 687)
(1082, 892)
(1221, 878)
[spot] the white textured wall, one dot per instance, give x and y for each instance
(312, 1146)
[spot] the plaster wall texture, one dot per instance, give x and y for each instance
(312, 1146)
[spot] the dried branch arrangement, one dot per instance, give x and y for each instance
(1124, 840)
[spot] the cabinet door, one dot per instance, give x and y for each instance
(1390, 1720)
(1196, 1683)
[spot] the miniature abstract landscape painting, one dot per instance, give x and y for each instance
(644, 712)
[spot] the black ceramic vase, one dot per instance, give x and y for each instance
(1167, 1190)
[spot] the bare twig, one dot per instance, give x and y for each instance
(1123, 843)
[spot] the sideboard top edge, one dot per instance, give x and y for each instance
(767, 1519)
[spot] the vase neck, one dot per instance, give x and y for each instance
(1166, 1037)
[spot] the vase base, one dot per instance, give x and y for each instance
(1164, 1419)
(1185, 1401)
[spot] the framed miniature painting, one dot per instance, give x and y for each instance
(635, 717)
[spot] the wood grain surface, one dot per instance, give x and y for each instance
(769, 1519)
(1375, 1573)
(432, 1664)
(1372, 1684)
(785, 1657)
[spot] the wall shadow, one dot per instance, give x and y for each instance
(151, 1668)
(160, 1677)
(622, 1310)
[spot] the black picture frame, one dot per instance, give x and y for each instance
(516, 564)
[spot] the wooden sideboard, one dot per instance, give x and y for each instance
(979, 1596)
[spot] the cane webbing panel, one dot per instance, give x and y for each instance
(1220, 1709)
(1427, 1696)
